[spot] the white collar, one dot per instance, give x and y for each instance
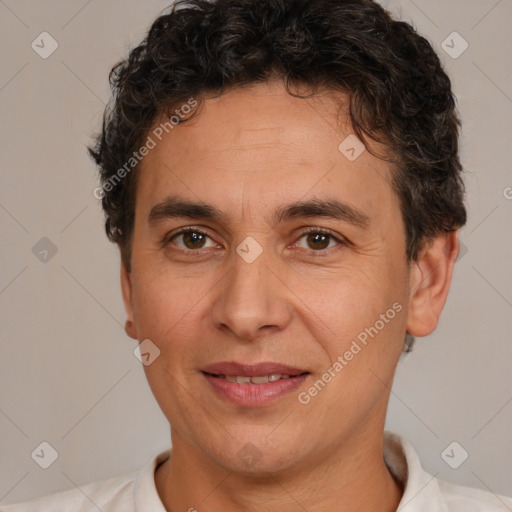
(421, 489)
(423, 492)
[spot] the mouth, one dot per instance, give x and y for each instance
(260, 379)
(254, 384)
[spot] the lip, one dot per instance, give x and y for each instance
(232, 368)
(253, 395)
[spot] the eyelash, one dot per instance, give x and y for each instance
(311, 230)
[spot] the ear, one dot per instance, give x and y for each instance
(126, 289)
(430, 279)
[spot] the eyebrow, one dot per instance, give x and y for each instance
(176, 207)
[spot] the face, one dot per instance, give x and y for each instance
(264, 251)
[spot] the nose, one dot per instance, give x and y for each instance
(252, 300)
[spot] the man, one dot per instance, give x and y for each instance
(282, 179)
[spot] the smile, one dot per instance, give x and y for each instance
(253, 385)
(263, 379)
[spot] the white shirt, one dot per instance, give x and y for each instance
(136, 492)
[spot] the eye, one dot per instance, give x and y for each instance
(317, 239)
(190, 239)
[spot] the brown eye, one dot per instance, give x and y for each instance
(191, 239)
(318, 240)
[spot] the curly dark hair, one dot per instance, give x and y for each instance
(399, 93)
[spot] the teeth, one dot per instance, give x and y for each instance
(263, 379)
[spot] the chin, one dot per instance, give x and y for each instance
(257, 456)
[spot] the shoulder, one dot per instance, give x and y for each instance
(114, 494)
(131, 492)
(424, 492)
(469, 499)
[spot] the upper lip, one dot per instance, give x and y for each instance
(232, 368)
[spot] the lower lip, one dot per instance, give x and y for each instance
(253, 395)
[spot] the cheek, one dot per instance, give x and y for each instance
(163, 301)
(165, 312)
(370, 323)
(341, 304)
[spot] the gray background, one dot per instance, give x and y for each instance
(67, 370)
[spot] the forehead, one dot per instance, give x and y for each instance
(265, 119)
(259, 146)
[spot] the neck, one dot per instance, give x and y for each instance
(351, 478)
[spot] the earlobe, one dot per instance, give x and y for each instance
(126, 289)
(430, 279)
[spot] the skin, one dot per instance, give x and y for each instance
(248, 153)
